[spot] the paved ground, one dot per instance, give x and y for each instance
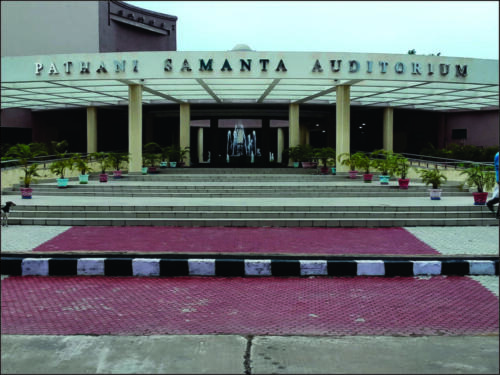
(251, 325)
(233, 354)
(247, 306)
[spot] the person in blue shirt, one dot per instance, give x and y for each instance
(495, 198)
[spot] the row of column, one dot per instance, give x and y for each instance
(294, 133)
(343, 128)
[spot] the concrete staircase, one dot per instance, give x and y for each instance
(93, 203)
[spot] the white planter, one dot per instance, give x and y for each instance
(435, 194)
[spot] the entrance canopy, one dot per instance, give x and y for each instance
(433, 83)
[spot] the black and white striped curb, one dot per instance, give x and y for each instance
(19, 266)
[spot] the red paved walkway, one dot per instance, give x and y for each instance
(240, 240)
(274, 306)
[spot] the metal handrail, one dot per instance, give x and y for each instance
(45, 159)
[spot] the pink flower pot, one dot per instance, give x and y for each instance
(403, 183)
(367, 177)
(353, 174)
(103, 177)
(480, 198)
(26, 193)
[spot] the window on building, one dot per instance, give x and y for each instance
(459, 134)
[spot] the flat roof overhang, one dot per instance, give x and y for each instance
(433, 83)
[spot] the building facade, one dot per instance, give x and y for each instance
(118, 80)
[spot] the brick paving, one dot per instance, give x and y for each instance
(239, 240)
(277, 306)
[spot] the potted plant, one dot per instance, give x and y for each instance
(435, 178)
(59, 167)
(365, 163)
(82, 164)
(24, 153)
(176, 155)
(325, 154)
(483, 178)
(152, 153)
(308, 157)
(296, 153)
(164, 156)
(116, 160)
(103, 159)
(401, 168)
(351, 161)
(383, 160)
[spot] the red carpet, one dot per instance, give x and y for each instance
(258, 306)
(239, 240)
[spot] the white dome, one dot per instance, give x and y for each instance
(241, 47)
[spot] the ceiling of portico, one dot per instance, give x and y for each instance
(44, 95)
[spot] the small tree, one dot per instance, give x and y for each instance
(364, 162)
(24, 153)
(480, 176)
(401, 165)
(117, 159)
(432, 177)
(351, 161)
(103, 159)
(325, 154)
(82, 164)
(383, 160)
(59, 167)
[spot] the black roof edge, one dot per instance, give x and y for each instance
(144, 11)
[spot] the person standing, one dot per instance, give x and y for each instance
(495, 198)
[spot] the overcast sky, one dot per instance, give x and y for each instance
(454, 28)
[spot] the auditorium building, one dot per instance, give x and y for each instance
(107, 76)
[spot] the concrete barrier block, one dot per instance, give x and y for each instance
(370, 268)
(90, 267)
(258, 267)
(426, 267)
(481, 267)
(201, 267)
(35, 266)
(313, 267)
(146, 267)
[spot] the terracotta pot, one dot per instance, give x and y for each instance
(403, 183)
(26, 193)
(480, 198)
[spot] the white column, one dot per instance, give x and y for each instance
(184, 135)
(293, 127)
(91, 129)
(135, 127)
(200, 145)
(388, 129)
(343, 116)
(281, 145)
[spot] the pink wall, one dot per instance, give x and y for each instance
(482, 128)
(16, 118)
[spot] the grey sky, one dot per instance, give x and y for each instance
(454, 28)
